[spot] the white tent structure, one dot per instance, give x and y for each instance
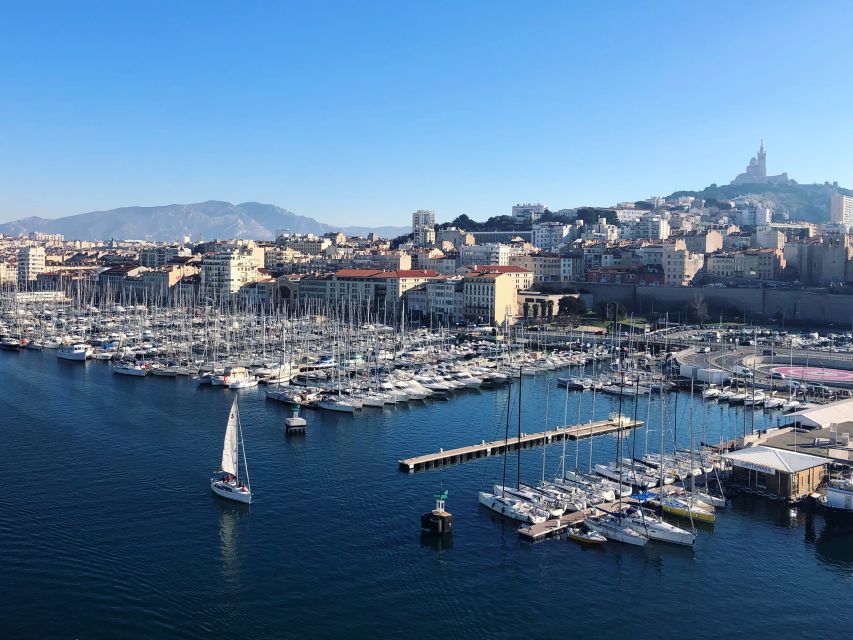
(839, 413)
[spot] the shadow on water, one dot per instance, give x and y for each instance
(834, 547)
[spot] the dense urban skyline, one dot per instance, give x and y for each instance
(376, 110)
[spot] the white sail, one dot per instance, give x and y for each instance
(229, 449)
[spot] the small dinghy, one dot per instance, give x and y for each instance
(582, 536)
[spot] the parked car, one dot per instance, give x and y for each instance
(775, 375)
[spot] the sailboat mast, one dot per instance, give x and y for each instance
(518, 449)
(506, 436)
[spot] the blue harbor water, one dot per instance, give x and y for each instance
(109, 527)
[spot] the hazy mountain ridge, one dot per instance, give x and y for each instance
(208, 220)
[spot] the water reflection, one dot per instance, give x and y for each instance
(230, 514)
(437, 541)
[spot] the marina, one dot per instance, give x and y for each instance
(346, 465)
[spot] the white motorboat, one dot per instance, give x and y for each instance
(725, 395)
(227, 483)
(615, 528)
(53, 343)
(756, 399)
(773, 402)
(10, 344)
(838, 501)
(243, 383)
(130, 369)
(791, 405)
(78, 352)
(711, 392)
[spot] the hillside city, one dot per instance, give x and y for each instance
(681, 254)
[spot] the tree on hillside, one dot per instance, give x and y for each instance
(399, 240)
(590, 215)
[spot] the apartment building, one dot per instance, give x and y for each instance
(550, 236)
(154, 257)
(490, 254)
(423, 227)
(679, 265)
(489, 298)
(225, 271)
(31, 262)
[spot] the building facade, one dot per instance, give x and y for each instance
(31, 262)
(423, 227)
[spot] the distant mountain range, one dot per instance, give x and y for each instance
(208, 220)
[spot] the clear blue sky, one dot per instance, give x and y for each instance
(361, 112)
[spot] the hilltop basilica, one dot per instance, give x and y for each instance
(756, 171)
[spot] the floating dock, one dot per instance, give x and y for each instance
(486, 449)
(556, 526)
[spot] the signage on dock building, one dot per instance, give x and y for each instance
(754, 466)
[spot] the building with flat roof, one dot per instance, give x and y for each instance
(31, 262)
(841, 209)
(423, 227)
(777, 473)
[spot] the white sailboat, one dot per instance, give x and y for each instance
(615, 528)
(227, 483)
(649, 524)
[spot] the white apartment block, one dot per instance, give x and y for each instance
(308, 243)
(629, 215)
(549, 236)
(529, 212)
(423, 227)
(224, 272)
(841, 209)
(158, 256)
(31, 262)
(52, 239)
(490, 254)
(653, 227)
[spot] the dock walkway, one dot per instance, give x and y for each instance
(485, 449)
(556, 526)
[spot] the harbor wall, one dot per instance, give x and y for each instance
(808, 306)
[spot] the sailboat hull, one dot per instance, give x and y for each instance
(230, 492)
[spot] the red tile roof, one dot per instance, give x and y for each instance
(357, 273)
(494, 268)
(408, 273)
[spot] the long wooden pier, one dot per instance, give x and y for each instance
(485, 449)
